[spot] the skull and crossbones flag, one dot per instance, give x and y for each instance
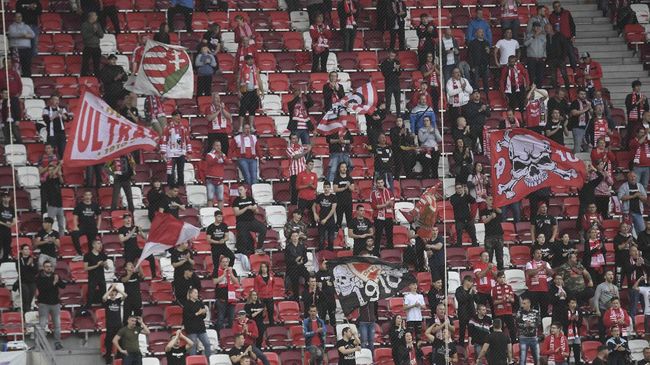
(361, 279)
(524, 161)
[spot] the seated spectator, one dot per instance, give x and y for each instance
(194, 314)
(247, 327)
(245, 209)
(225, 278)
(619, 350)
(174, 352)
(20, 38)
(126, 340)
(296, 258)
(49, 303)
(206, 65)
(247, 151)
(185, 7)
(315, 333)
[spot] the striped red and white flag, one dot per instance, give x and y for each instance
(166, 232)
(362, 101)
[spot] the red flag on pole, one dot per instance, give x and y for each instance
(524, 161)
(166, 232)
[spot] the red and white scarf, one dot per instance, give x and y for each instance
(249, 74)
(637, 154)
(597, 257)
(513, 81)
(616, 315)
(380, 197)
(557, 341)
(456, 85)
(600, 129)
(321, 43)
(246, 145)
(634, 112)
(300, 114)
(433, 78)
(573, 328)
(582, 118)
(245, 30)
(220, 122)
(349, 8)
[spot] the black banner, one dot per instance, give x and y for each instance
(359, 280)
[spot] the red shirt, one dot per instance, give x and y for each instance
(15, 83)
(315, 341)
(263, 288)
(251, 336)
(502, 292)
(380, 197)
(214, 165)
(555, 347)
(305, 178)
(612, 316)
(534, 114)
(484, 285)
(539, 281)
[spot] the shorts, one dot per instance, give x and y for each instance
(214, 189)
(249, 103)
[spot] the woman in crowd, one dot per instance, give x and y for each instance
(463, 161)
(255, 310)
(263, 284)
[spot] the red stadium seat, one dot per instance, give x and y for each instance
(196, 360)
(519, 255)
(278, 83)
(174, 316)
(289, 311)
(50, 22)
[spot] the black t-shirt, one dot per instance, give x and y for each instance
(383, 158)
(348, 359)
(178, 256)
(493, 227)
(560, 250)
(217, 232)
(325, 202)
(91, 259)
(51, 192)
(113, 312)
(559, 136)
(635, 206)
(166, 203)
(6, 216)
(130, 245)
(360, 226)
(155, 198)
(441, 351)
(326, 280)
(461, 207)
(242, 203)
(132, 289)
(191, 322)
(48, 248)
(87, 214)
(236, 352)
(342, 182)
(176, 356)
(544, 224)
(498, 352)
(339, 147)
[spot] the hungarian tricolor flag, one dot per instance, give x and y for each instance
(524, 161)
(362, 101)
(166, 232)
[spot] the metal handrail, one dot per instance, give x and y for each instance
(43, 345)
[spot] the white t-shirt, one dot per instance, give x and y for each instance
(506, 48)
(645, 292)
(447, 44)
(415, 313)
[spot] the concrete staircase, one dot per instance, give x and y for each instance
(595, 34)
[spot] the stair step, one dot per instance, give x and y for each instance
(591, 20)
(614, 75)
(582, 42)
(581, 7)
(623, 68)
(615, 47)
(606, 54)
(618, 61)
(593, 13)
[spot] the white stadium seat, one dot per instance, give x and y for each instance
(636, 349)
(263, 194)
(189, 174)
(363, 357)
(399, 217)
(136, 194)
(141, 219)
(16, 154)
(276, 216)
(272, 104)
(28, 87)
(207, 216)
(28, 176)
(108, 44)
(281, 124)
(453, 281)
(517, 279)
(34, 109)
(197, 195)
(299, 20)
(220, 359)
(642, 13)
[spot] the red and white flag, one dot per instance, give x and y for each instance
(100, 134)
(165, 70)
(166, 232)
(524, 161)
(362, 101)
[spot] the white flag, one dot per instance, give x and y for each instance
(165, 70)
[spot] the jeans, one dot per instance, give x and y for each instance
(644, 175)
(524, 344)
(125, 185)
(553, 66)
(225, 314)
(44, 311)
(57, 212)
(178, 164)
(248, 168)
(319, 61)
(578, 137)
(482, 72)
(133, 358)
(446, 72)
(214, 189)
(327, 234)
(315, 355)
(367, 335)
(335, 159)
(303, 136)
(634, 301)
(203, 337)
(536, 70)
(260, 355)
(637, 222)
(96, 172)
(89, 232)
(348, 38)
(516, 211)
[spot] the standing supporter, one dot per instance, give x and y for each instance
(247, 327)
(185, 7)
(558, 299)
(562, 22)
(49, 303)
(463, 158)
(297, 154)
(556, 127)
(636, 104)
(240, 355)
(646, 357)
(589, 73)
(562, 249)
(92, 33)
(10, 122)
(491, 217)
(431, 76)
(31, 11)
(320, 34)
(486, 274)
(86, 220)
(174, 352)
(458, 92)
(55, 117)
(599, 127)
(395, 22)
(544, 223)
(510, 16)
(572, 322)
(577, 279)
(339, 151)
(296, 258)
(263, 284)
(109, 9)
(632, 196)
(383, 160)
(557, 50)
(594, 254)
(183, 284)
(497, 348)
(434, 251)
(215, 161)
(324, 210)
(126, 340)
(367, 322)
(174, 147)
(123, 169)
(182, 258)
(391, 70)
(295, 224)
(360, 229)
(616, 318)
(255, 310)
(311, 295)
(306, 183)
(506, 47)
(300, 122)
(155, 114)
(413, 305)
(327, 310)
(250, 90)
(28, 271)
(243, 30)
(528, 322)
(461, 202)
(348, 11)
(194, 313)
(397, 334)
(640, 146)
(534, 110)
(427, 38)
(538, 272)
(113, 309)
(347, 346)
(162, 35)
(479, 56)
(315, 333)
(623, 241)
(476, 112)
(601, 355)
(430, 140)
(206, 65)
(480, 327)
(20, 38)
(465, 296)
(536, 53)
(437, 294)
(246, 151)
(47, 241)
(619, 350)
(541, 17)
(602, 193)
(403, 145)
(225, 279)
(9, 74)
(170, 202)
(332, 91)
(635, 271)
(556, 346)
(131, 281)
(479, 24)
(112, 78)
(217, 236)
(245, 209)
(502, 300)
(514, 83)
(128, 235)
(95, 262)
(382, 202)
(220, 127)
